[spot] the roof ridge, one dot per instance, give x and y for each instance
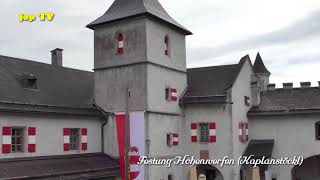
(43, 63)
(212, 66)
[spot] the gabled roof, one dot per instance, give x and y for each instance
(77, 167)
(283, 101)
(56, 86)
(210, 84)
(259, 66)
(122, 9)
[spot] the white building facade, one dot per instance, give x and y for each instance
(63, 122)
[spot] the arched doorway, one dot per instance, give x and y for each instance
(211, 172)
(309, 170)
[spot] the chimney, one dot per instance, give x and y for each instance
(56, 57)
(287, 85)
(305, 84)
(271, 87)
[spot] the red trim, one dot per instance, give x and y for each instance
(84, 131)
(84, 146)
(213, 138)
(212, 126)
(175, 135)
(247, 129)
(193, 125)
(66, 146)
(173, 98)
(31, 148)
(66, 131)
(32, 131)
(241, 126)
(6, 130)
(194, 139)
(6, 148)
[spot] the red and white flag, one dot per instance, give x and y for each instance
(137, 143)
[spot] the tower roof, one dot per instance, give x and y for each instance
(122, 9)
(259, 66)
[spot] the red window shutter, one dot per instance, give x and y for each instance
(32, 139)
(6, 140)
(120, 44)
(247, 131)
(173, 94)
(194, 133)
(66, 139)
(175, 139)
(212, 132)
(241, 135)
(84, 139)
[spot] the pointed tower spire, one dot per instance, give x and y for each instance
(124, 9)
(259, 66)
(261, 72)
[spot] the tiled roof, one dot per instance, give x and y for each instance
(259, 66)
(210, 84)
(55, 86)
(77, 167)
(122, 9)
(288, 100)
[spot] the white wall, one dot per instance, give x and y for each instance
(49, 130)
(294, 136)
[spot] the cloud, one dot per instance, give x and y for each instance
(301, 30)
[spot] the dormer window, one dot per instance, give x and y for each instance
(28, 81)
(120, 44)
(166, 44)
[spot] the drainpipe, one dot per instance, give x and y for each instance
(105, 116)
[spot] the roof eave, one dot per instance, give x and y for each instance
(93, 25)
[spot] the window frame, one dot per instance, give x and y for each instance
(317, 131)
(167, 45)
(75, 139)
(200, 132)
(14, 140)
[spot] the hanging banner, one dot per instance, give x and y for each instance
(137, 143)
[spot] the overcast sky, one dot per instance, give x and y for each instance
(285, 32)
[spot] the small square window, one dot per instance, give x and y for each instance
(17, 139)
(74, 139)
(204, 132)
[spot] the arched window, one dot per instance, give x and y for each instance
(317, 128)
(166, 42)
(120, 44)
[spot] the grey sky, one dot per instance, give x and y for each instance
(286, 33)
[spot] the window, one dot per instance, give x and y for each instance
(17, 140)
(204, 132)
(169, 139)
(317, 127)
(247, 101)
(120, 44)
(171, 94)
(74, 139)
(166, 44)
(170, 177)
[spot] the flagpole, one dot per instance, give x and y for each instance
(127, 143)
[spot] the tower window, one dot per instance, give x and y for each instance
(166, 43)
(120, 44)
(317, 126)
